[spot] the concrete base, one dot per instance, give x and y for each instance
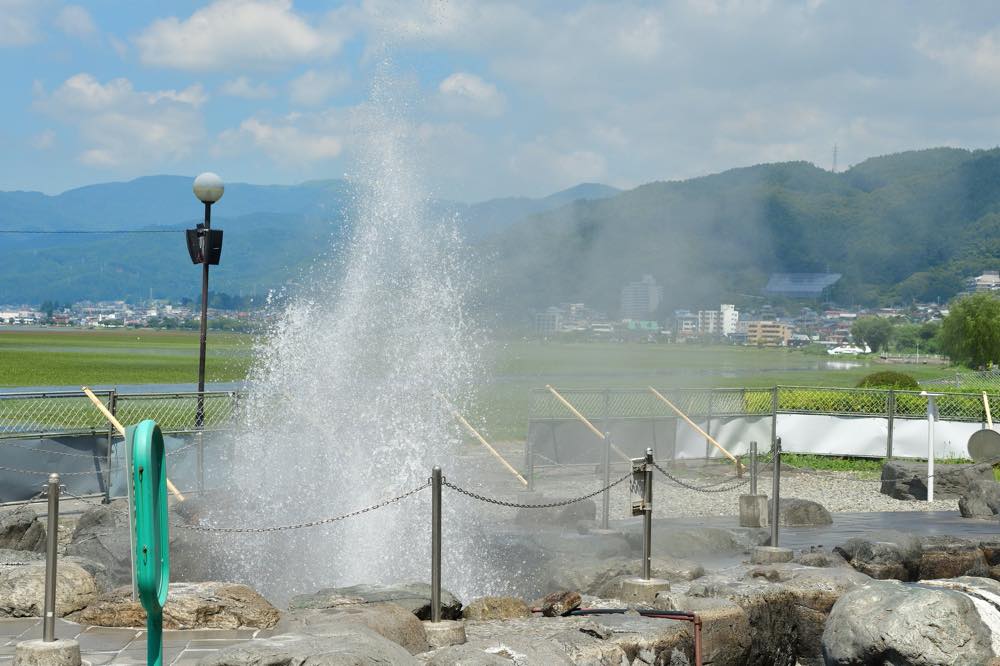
(753, 510)
(603, 532)
(770, 555)
(51, 653)
(444, 633)
(642, 590)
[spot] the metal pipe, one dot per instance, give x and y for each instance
(199, 417)
(52, 540)
(753, 468)
(775, 491)
(606, 495)
(647, 518)
(930, 447)
(436, 544)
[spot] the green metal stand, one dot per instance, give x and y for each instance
(152, 537)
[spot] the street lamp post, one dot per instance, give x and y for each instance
(208, 188)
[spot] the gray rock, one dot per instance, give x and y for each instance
(496, 608)
(415, 597)
(905, 480)
(819, 557)
(22, 589)
(980, 499)
(884, 555)
(694, 542)
(726, 636)
(604, 578)
(950, 557)
(20, 529)
(888, 622)
(794, 512)
(463, 655)
(351, 645)
(209, 605)
(388, 620)
(102, 535)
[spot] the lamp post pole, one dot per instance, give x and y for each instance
(208, 188)
(199, 419)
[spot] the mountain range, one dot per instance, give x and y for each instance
(903, 227)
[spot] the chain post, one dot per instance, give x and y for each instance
(774, 416)
(606, 497)
(436, 544)
(51, 542)
(775, 490)
(753, 468)
(647, 517)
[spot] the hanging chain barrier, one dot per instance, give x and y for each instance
(311, 523)
(548, 505)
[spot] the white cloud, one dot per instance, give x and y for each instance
(313, 88)
(557, 166)
(18, 23)
(963, 53)
(44, 140)
(236, 34)
(122, 127)
(247, 89)
(467, 92)
(76, 21)
(287, 141)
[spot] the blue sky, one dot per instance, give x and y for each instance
(497, 98)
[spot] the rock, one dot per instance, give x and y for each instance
(388, 620)
(496, 608)
(909, 625)
(991, 551)
(604, 579)
(22, 589)
(559, 603)
(351, 645)
(950, 557)
(885, 555)
(463, 655)
(693, 542)
(794, 512)
(102, 535)
(980, 499)
(821, 558)
(906, 481)
(20, 529)
(210, 605)
(415, 597)
(726, 635)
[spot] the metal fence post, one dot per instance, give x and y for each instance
(436, 544)
(753, 468)
(891, 414)
(647, 518)
(774, 416)
(606, 495)
(52, 540)
(775, 490)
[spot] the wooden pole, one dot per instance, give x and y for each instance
(986, 406)
(694, 425)
(482, 440)
(121, 431)
(586, 422)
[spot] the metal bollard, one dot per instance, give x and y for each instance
(606, 498)
(753, 468)
(775, 491)
(647, 518)
(52, 540)
(436, 544)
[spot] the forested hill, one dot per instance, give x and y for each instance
(901, 227)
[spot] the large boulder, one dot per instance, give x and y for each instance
(888, 622)
(603, 578)
(908, 481)
(22, 589)
(20, 529)
(388, 620)
(102, 535)
(349, 645)
(415, 597)
(883, 555)
(210, 605)
(496, 608)
(465, 655)
(950, 557)
(795, 512)
(980, 499)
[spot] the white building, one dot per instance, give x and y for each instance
(641, 299)
(730, 318)
(718, 322)
(988, 281)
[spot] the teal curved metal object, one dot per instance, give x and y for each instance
(152, 534)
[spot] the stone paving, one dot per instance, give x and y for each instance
(109, 645)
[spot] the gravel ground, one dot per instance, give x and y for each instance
(839, 492)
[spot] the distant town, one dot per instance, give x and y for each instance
(118, 314)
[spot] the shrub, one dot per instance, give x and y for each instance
(887, 379)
